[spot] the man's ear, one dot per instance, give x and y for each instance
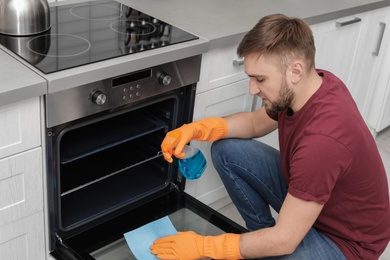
(297, 70)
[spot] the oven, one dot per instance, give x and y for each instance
(106, 174)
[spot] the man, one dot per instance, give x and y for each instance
(328, 182)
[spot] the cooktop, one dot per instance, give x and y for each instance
(93, 31)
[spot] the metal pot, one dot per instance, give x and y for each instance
(23, 46)
(24, 17)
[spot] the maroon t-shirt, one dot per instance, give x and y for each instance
(330, 157)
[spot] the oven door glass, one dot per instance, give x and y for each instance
(106, 241)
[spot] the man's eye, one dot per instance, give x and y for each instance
(260, 80)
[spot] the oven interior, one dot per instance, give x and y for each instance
(112, 163)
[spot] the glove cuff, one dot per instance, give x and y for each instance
(226, 246)
(211, 129)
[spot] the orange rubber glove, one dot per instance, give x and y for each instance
(189, 245)
(208, 129)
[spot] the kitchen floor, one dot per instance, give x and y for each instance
(383, 142)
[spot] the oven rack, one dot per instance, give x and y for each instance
(159, 154)
(82, 142)
(106, 163)
(116, 192)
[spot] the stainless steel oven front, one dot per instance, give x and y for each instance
(106, 175)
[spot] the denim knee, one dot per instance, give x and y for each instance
(223, 149)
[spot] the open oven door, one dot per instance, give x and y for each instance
(106, 241)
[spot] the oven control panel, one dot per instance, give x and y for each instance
(139, 85)
(111, 93)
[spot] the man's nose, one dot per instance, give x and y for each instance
(253, 87)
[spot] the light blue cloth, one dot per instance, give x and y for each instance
(140, 239)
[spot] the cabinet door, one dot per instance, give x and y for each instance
(226, 100)
(337, 43)
(220, 67)
(21, 188)
(223, 101)
(23, 239)
(19, 127)
(373, 74)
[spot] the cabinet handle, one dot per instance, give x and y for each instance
(354, 20)
(379, 43)
(238, 62)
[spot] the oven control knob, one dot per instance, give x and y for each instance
(164, 79)
(99, 98)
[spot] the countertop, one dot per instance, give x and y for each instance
(18, 82)
(218, 23)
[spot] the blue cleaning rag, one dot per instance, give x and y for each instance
(140, 239)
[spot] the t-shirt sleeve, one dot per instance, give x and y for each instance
(316, 165)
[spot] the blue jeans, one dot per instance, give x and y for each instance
(252, 175)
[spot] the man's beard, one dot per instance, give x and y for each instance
(286, 96)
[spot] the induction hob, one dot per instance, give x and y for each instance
(88, 32)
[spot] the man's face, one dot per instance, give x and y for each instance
(267, 82)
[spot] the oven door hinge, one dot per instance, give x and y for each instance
(59, 239)
(174, 186)
(179, 185)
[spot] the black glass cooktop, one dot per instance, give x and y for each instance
(93, 31)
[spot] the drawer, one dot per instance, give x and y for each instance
(20, 127)
(220, 67)
(21, 189)
(23, 239)
(229, 99)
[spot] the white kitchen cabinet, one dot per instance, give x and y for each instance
(21, 190)
(383, 119)
(220, 67)
(357, 53)
(337, 47)
(368, 56)
(23, 239)
(374, 71)
(21, 181)
(223, 89)
(19, 127)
